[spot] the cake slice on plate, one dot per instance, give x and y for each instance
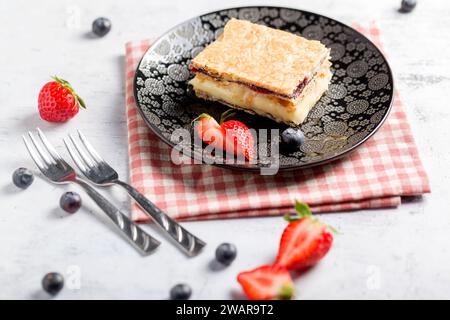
(262, 70)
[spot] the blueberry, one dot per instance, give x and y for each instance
(292, 138)
(101, 26)
(226, 253)
(23, 178)
(53, 282)
(70, 201)
(180, 292)
(408, 6)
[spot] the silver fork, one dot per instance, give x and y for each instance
(102, 174)
(57, 170)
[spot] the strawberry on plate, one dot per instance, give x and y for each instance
(304, 241)
(238, 138)
(58, 102)
(267, 283)
(209, 130)
(230, 135)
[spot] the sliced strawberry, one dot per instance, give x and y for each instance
(233, 136)
(267, 283)
(239, 139)
(304, 241)
(209, 130)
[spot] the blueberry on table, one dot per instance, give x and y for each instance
(181, 291)
(408, 6)
(226, 253)
(70, 202)
(53, 282)
(101, 26)
(23, 178)
(292, 138)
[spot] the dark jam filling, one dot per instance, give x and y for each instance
(296, 93)
(259, 89)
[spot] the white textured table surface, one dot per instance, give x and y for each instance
(396, 253)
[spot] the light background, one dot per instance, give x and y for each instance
(396, 253)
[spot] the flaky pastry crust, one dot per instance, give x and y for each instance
(260, 56)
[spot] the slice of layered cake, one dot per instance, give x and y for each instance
(262, 70)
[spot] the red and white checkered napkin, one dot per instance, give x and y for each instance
(382, 170)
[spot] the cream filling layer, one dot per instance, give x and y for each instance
(283, 110)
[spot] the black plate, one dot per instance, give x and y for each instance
(355, 106)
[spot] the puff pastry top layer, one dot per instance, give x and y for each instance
(260, 56)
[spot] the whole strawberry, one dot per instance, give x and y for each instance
(58, 102)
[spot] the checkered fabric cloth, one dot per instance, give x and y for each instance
(376, 175)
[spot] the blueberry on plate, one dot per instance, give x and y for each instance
(292, 139)
(23, 178)
(101, 26)
(70, 201)
(226, 253)
(408, 6)
(181, 291)
(53, 282)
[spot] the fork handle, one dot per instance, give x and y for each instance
(189, 243)
(138, 237)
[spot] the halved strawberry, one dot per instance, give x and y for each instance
(209, 130)
(304, 241)
(232, 136)
(267, 283)
(239, 139)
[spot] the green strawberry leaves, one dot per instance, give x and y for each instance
(80, 101)
(201, 116)
(286, 292)
(61, 81)
(333, 229)
(303, 210)
(223, 117)
(227, 115)
(67, 85)
(289, 218)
